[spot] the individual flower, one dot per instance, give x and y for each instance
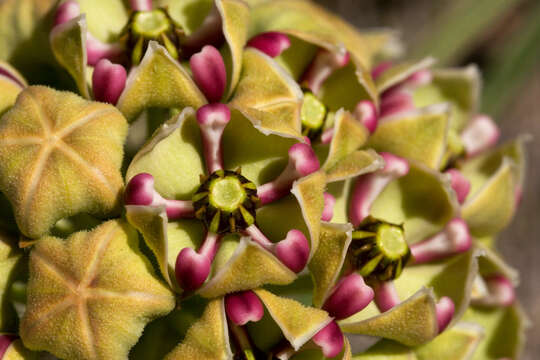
(112, 47)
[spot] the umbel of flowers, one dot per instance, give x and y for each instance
(248, 180)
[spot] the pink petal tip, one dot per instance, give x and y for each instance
(349, 296)
(209, 72)
(243, 307)
(271, 43)
(328, 210)
(454, 239)
(480, 134)
(445, 311)
(330, 339)
(293, 251)
(108, 81)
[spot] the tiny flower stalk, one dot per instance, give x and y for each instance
(302, 162)
(498, 292)
(140, 191)
(480, 134)
(192, 268)
(368, 187)
(271, 43)
(322, 66)
(212, 119)
(241, 308)
(454, 239)
(108, 81)
(349, 296)
(330, 339)
(459, 184)
(293, 251)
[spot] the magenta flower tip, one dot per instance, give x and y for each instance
(368, 187)
(394, 165)
(330, 339)
(454, 239)
(140, 5)
(380, 68)
(460, 184)
(322, 67)
(214, 116)
(328, 210)
(395, 102)
(349, 296)
(243, 307)
(209, 72)
(271, 43)
(191, 269)
(445, 311)
(366, 112)
(5, 342)
(108, 81)
(140, 190)
(500, 292)
(481, 134)
(293, 251)
(212, 119)
(419, 78)
(501, 289)
(303, 159)
(302, 162)
(97, 50)
(66, 11)
(386, 296)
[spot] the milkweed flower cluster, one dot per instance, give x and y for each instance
(247, 180)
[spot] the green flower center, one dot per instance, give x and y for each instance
(226, 202)
(156, 25)
(379, 250)
(226, 193)
(312, 114)
(150, 24)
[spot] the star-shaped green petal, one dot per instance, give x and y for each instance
(298, 323)
(400, 72)
(158, 81)
(496, 178)
(207, 338)
(275, 107)
(412, 323)
(234, 18)
(458, 86)
(404, 201)
(419, 135)
(68, 44)
(90, 296)
(326, 264)
(60, 155)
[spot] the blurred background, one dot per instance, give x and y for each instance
(503, 38)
